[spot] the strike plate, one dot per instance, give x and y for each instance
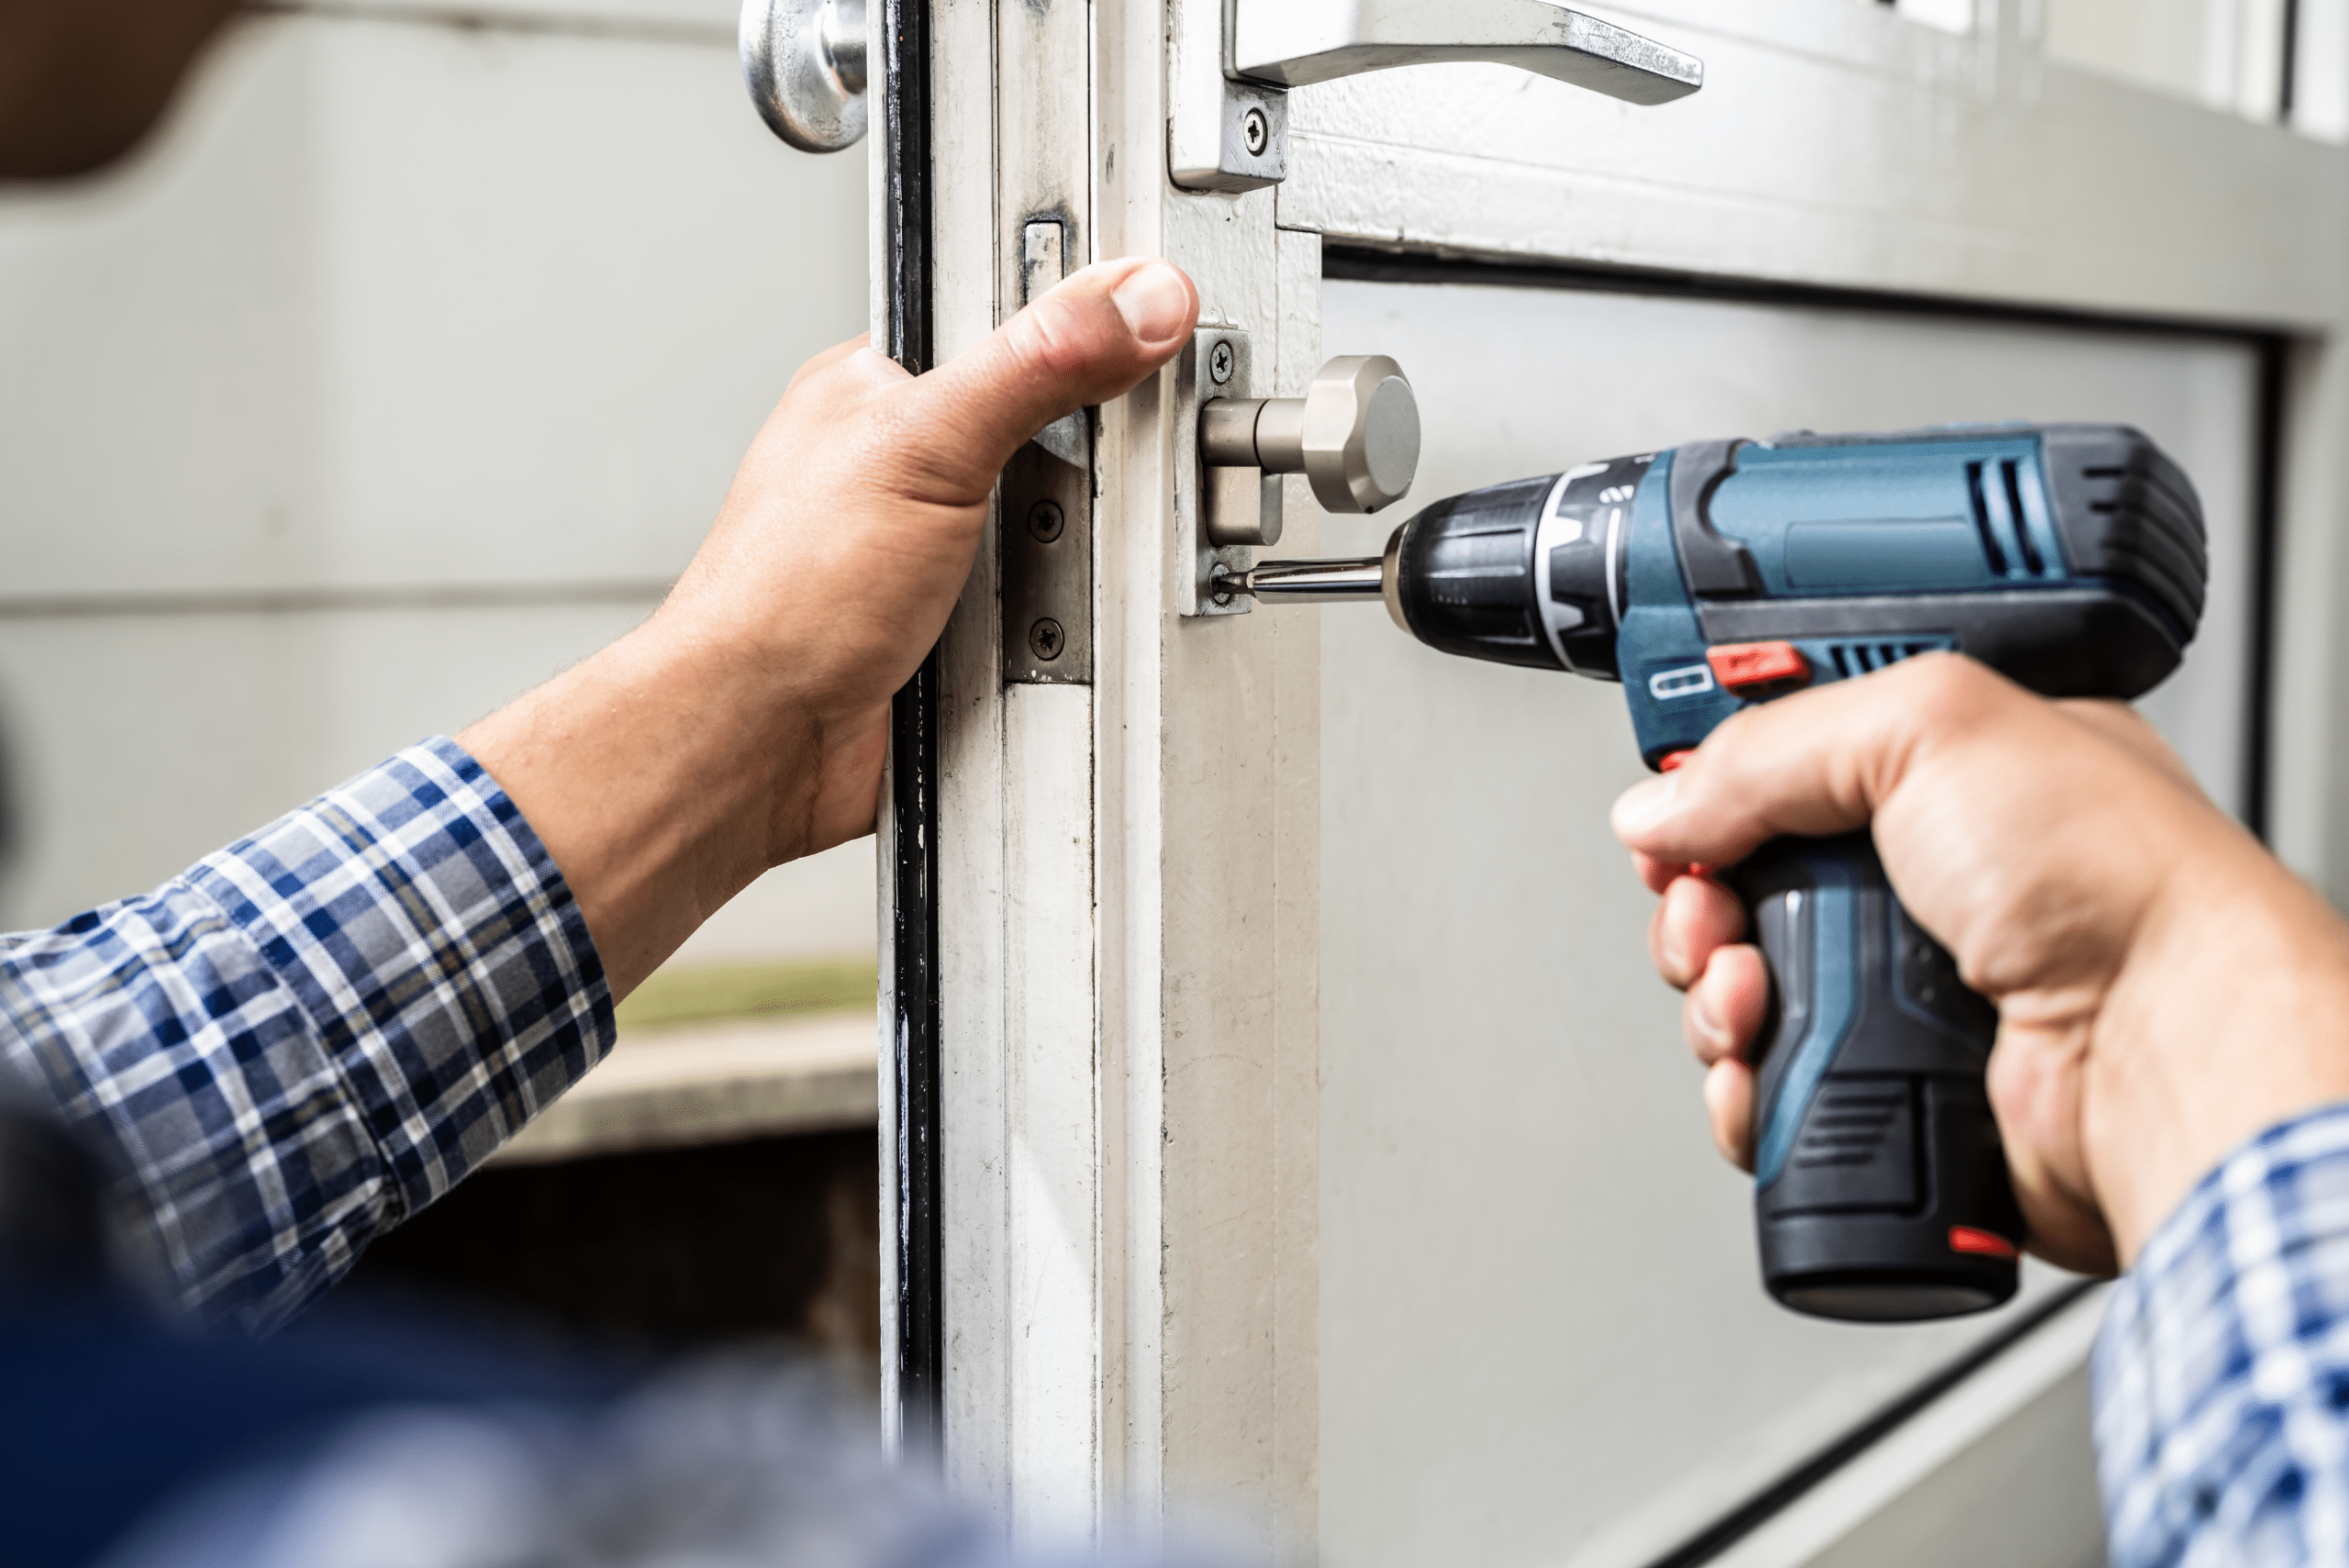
(1047, 518)
(1219, 364)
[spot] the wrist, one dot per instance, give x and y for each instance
(650, 771)
(2226, 1021)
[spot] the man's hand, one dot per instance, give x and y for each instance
(744, 724)
(2164, 988)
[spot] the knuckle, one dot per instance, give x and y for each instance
(1942, 689)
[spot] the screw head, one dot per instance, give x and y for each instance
(1219, 364)
(1045, 521)
(1256, 133)
(1045, 639)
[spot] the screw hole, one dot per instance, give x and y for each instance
(1046, 639)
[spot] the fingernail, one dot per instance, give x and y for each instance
(1156, 303)
(1702, 1019)
(1645, 804)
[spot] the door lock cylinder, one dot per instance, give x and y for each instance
(1355, 435)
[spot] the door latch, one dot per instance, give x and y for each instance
(1232, 134)
(1355, 436)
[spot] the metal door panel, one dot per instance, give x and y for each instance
(1379, 1242)
(1543, 1337)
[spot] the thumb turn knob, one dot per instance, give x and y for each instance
(1355, 435)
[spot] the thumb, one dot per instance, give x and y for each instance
(1817, 762)
(1093, 338)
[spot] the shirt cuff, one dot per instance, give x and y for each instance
(2221, 1373)
(448, 975)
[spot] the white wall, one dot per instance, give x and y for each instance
(408, 366)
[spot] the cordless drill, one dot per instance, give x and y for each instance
(1714, 575)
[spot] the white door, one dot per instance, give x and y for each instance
(1287, 1127)
(1543, 1338)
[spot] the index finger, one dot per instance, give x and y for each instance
(1818, 763)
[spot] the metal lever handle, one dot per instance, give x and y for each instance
(804, 63)
(1355, 435)
(1293, 43)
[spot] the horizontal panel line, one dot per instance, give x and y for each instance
(1358, 260)
(472, 19)
(1775, 1498)
(645, 590)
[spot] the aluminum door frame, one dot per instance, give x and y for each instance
(1126, 970)
(1126, 872)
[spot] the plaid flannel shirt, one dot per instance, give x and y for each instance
(314, 1033)
(2222, 1370)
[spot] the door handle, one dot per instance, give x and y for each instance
(803, 63)
(1294, 43)
(1228, 130)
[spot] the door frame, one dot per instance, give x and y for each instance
(1114, 883)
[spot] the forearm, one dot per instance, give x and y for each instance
(2230, 1016)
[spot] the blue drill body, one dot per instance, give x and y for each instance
(1959, 516)
(1721, 574)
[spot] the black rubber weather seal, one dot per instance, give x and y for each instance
(2267, 534)
(1359, 262)
(2288, 87)
(920, 1349)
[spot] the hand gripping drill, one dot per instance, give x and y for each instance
(1714, 575)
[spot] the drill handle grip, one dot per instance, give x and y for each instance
(1880, 1183)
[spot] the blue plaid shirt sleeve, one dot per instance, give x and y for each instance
(2221, 1373)
(317, 1031)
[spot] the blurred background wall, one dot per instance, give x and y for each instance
(413, 358)
(408, 365)
(2265, 60)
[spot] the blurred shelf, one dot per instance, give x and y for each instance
(714, 1084)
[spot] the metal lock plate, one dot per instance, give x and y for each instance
(1046, 521)
(1219, 362)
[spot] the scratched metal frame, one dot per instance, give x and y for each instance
(1126, 867)
(1128, 877)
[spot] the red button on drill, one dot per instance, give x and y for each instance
(1981, 1243)
(1759, 669)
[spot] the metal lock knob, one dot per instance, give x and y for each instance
(803, 62)
(1355, 435)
